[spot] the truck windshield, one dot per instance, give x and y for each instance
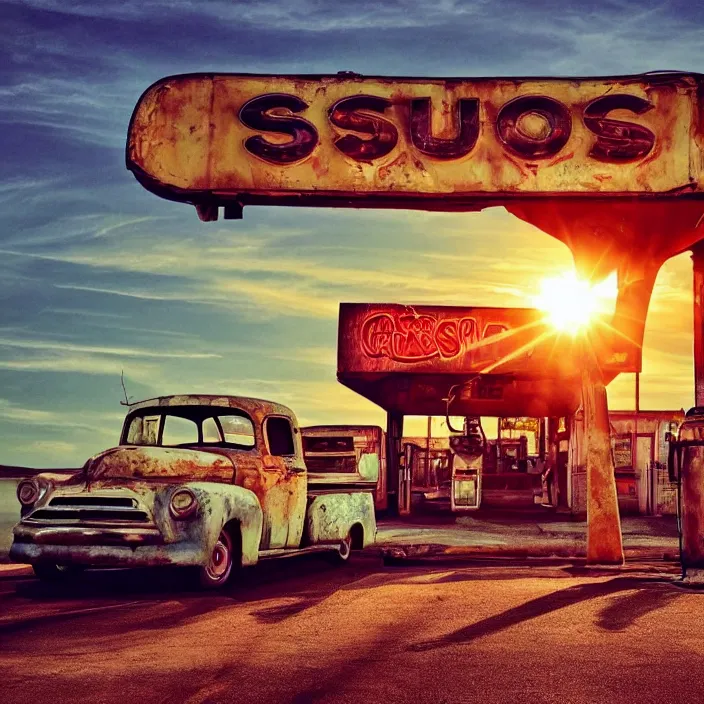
(188, 427)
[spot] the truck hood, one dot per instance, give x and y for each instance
(129, 461)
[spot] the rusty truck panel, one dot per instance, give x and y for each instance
(256, 408)
(346, 455)
(437, 144)
(157, 462)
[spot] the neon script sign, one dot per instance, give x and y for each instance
(409, 338)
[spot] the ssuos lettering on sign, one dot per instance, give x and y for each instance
(531, 127)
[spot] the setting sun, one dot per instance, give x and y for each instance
(571, 303)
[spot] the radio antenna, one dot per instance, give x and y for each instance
(126, 402)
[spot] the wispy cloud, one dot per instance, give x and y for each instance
(95, 349)
(80, 364)
(54, 448)
(92, 422)
(323, 356)
(82, 313)
(241, 270)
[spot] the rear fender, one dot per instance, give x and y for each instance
(331, 516)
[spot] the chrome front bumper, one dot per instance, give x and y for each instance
(100, 547)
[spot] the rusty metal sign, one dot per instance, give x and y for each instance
(437, 144)
(383, 338)
(499, 361)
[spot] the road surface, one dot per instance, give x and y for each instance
(305, 631)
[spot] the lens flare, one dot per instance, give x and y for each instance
(572, 303)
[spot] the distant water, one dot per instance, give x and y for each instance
(9, 514)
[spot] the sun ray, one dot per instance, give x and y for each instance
(519, 351)
(500, 337)
(572, 303)
(611, 328)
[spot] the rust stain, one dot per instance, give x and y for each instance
(388, 169)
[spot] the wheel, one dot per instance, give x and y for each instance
(219, 568)
(344, 550)
(50, 572)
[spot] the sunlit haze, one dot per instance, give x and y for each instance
(571, 303)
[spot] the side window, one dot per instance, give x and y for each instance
(179, 431)
(280, 436)
(211, 432)
(143, 430)
(238, 430)
(134, 431)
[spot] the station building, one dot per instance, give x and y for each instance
(517, 452)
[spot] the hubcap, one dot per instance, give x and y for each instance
(220, 558)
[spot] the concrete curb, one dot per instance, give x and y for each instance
(417, 551)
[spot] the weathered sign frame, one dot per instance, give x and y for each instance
(450, 144)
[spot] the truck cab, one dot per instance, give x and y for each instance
(207, 482)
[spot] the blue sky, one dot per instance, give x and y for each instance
(99, 276)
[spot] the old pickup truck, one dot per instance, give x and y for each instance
(207, 482)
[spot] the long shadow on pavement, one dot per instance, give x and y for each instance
(648, 599)
(309, 580)
(624, 610)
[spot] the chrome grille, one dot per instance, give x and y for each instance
(86, 501)
(94, 509)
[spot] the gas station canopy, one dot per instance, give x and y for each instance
(485, 361)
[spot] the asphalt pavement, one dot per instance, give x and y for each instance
(302, 630)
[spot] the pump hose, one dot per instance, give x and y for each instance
(679, 511)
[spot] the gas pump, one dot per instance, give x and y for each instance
(468, 449)
(686, 467)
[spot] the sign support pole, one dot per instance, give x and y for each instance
(698, 284)
(692, 469)
(604, 540)
(394, 435)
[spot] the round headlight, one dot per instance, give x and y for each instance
(183, 503)
(27, 492)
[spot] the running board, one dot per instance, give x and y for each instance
(291, 552)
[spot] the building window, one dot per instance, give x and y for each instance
(622, 451)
